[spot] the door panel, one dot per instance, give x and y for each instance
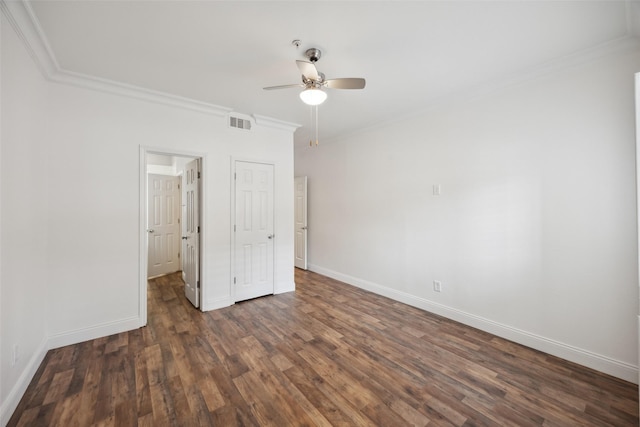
(254, 237)
(191, 237)
(163, 225)
(300, 184)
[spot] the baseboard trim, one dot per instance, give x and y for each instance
(216, 303)
(55, 341)
(580, 356)
(98, 331)
(10, 404)
(282, 288)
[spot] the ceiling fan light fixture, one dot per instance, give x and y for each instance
(313, 96)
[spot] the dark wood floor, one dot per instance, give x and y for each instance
(328, 354)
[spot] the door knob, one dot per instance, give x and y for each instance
(304, 228)
(151, 230)
(271, 236)
(185, 237)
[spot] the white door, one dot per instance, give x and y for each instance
(254, 234)
(163, 225)
(191, 236)
(300, 184)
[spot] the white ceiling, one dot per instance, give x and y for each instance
(412, 54)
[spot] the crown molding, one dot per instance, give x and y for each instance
(623, 45)
(27, 27)
(275, 123)
(20, 16)
(137, 92)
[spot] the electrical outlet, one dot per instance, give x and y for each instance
(437, 286)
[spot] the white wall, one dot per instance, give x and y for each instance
(534, 234)
(71, 225)
(24, 182)
(105, 200)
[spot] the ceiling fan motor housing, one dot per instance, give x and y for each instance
(313, 54)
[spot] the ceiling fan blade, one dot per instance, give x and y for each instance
(308, 70)
(346, 83)
(283, 86)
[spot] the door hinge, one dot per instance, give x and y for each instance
(198, 229)
(178, 254)
(234, 280)
(234, 228)
(198, 284)
(198, 174)
(235, 176)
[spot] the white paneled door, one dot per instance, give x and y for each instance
(163, 225)
(191, 229)
(300, 184)
(253, 230)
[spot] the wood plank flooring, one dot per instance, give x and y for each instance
(327, 355)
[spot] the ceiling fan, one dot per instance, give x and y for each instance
(314, 81)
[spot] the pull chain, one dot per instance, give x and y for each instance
(311, 126)
(316, 125)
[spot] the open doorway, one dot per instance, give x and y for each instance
(171, 209)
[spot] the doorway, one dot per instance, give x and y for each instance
(169, 169)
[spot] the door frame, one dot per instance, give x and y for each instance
(232, 235)
(142, 224)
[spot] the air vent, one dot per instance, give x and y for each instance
(237, 122)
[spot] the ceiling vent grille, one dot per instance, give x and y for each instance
(238, 123)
